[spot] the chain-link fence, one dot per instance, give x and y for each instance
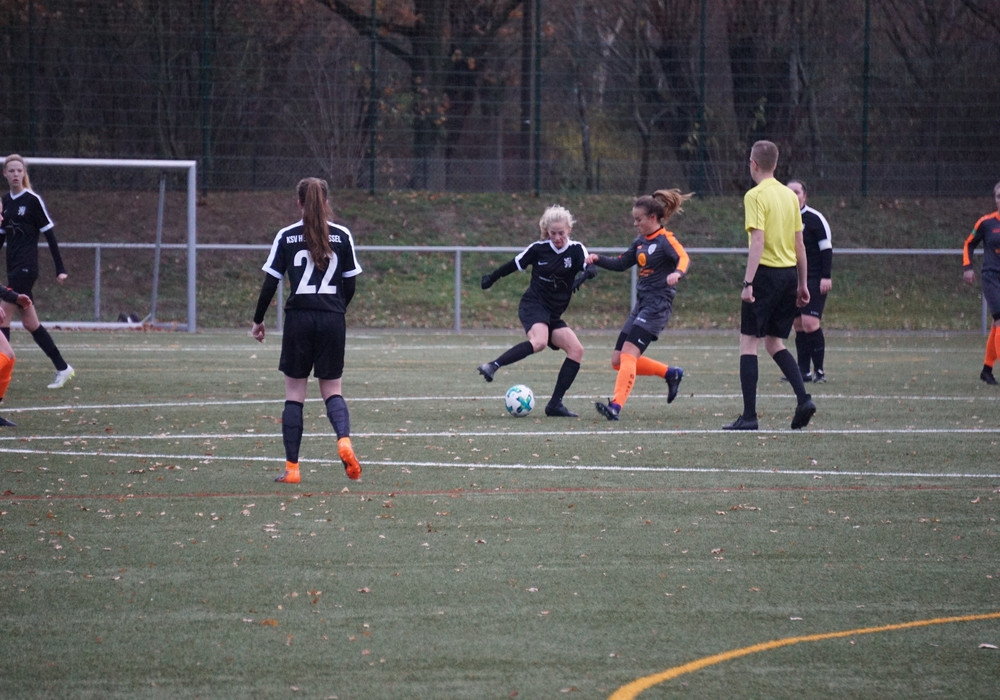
(881, 97)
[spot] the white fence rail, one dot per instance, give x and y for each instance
(456, 253)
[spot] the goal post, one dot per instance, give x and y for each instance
(188, 166)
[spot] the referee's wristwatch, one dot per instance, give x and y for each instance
(747, 284)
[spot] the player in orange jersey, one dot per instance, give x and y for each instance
(987, 232)
(23, 301)
(662, 263)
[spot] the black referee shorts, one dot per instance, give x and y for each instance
(775, 291)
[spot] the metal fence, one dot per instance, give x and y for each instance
(455, 252)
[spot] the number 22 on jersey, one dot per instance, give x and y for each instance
(302, 257)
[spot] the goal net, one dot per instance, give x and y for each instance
(119, 223)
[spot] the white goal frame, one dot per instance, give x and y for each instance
(191, 167)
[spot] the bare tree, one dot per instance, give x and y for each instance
(447, 46)
(986, 11)
(330, 115)
(931, 39)
(577, 58)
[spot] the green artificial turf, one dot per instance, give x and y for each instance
(145, 550)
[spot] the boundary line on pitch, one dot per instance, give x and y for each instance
(489, 397)
(810, 473)
(633, 689)
(673, 432)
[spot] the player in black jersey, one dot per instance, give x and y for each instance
(810, 345)
(24, 218)
(557, 269)
(987, 232)
(6, 351)
(319, 259)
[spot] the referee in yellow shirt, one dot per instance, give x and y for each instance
(774, 286)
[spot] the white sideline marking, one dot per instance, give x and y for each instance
(498, 433)
(488, 397)
(593, 341)
(204, 459)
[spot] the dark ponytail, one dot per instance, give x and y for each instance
(314, 198)
(663, 203)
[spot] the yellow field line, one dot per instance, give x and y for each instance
(630, 691)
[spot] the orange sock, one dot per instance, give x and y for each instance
(291, 473)
(6, 369)
(625, 380)
(646, 367)
(992, 347)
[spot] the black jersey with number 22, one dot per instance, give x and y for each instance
(311, 287)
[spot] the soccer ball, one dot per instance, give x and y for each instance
(519, 400)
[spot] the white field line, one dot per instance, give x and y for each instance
(462, 434)
(491, 397)
(353, 346)
(810, 473)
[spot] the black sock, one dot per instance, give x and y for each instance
(340, 418)
(48, 346)
(515, 354)
(567, 373)
(790, 368)
(748, 384)
(803, 348)
(818, 348)
(291, 430)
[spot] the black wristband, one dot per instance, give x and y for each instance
(747, 284)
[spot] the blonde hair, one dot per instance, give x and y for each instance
(551, 215)
(663, 203)
(766, 155)
(314, 197)
(14, 157)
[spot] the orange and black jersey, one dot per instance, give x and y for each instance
(987, 232)
(657, 256)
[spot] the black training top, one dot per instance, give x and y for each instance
(24, 218)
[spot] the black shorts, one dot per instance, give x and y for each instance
(991, 291)
(817, 300)
(645, 323)
(531, 311)
(22, 281)
(313, 340)
(775, 291)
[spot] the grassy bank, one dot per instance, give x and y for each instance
(416, 290)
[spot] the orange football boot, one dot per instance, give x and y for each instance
(346, 451)
(290, 475)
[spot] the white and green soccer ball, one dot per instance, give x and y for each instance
(519, 400)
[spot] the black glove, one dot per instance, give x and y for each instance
(488, 279)
(588, 272)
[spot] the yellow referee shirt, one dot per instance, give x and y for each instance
(773, 208)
